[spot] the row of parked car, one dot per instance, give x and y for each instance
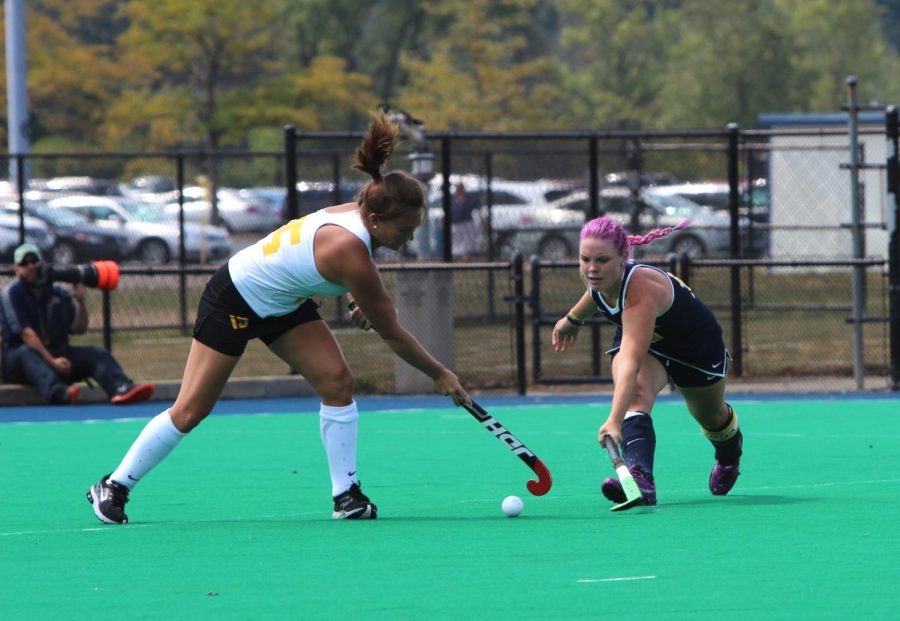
(545, 217)
(75, 219)
(79, 228)
(239, 210)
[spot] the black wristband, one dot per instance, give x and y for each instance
(574, 321)
(351, 305)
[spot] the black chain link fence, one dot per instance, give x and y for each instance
(533, 191)
(795, 319)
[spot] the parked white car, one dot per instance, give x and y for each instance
(152, 236)
(519, 219)
(240, 211)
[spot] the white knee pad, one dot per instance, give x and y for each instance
(340, 413)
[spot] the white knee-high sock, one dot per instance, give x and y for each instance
(154, 443)
(338, 425)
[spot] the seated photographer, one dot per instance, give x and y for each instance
(36, 319)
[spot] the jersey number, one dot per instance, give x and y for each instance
(274, 244)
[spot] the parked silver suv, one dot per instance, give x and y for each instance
(753, 203)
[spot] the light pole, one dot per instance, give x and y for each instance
(16, 92)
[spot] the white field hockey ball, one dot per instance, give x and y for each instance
(512, 506)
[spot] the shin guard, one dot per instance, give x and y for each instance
(338, 426)
(728, 440)
(638, 440)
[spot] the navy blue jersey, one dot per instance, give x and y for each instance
(686, 333)
(49, 312)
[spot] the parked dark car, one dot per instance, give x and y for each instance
(36, 232)
(77, 240)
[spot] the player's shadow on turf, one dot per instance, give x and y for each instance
(761, 499)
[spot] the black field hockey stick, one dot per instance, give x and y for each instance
(629, 485)
(537, 487)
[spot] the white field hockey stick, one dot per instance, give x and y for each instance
(629, 485)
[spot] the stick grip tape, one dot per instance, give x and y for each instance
(613, 450)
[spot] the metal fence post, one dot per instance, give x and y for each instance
(489, 172)
(859, 271)
(519, 288)
(336, 178)
(489, 203)
(594, 177)
(893, 187)
(446, 169)
(535, 318)
(20, 187)
(733, 161)
(292, 209)
(182, 256)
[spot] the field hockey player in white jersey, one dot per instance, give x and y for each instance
(265, 291)
(664, 332)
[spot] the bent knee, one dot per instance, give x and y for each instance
(336, 386)
(186, 417)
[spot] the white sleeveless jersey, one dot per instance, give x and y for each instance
(278, 273)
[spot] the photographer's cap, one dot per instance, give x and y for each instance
(24, 250)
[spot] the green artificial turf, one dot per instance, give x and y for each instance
(236, 523)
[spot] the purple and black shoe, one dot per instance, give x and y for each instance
(612, 489)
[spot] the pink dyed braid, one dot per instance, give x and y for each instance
(607, 228)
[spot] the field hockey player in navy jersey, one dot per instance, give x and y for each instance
(664, 333)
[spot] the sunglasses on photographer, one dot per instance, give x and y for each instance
(28, 261)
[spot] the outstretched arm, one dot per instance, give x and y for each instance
(644, 302)
(565, 332)
(354, 268)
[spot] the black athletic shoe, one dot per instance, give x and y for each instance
(354, 505)
(108, 499)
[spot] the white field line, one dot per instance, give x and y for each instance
(618, 579)
(68, 531)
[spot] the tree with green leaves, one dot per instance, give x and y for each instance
(838, 38)
(480, 73)
(728, 62)
(127, 74)
(72, 72)
(615, 58)
(189, 66)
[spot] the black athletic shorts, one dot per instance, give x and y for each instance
(704, 365)
(226, 323)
